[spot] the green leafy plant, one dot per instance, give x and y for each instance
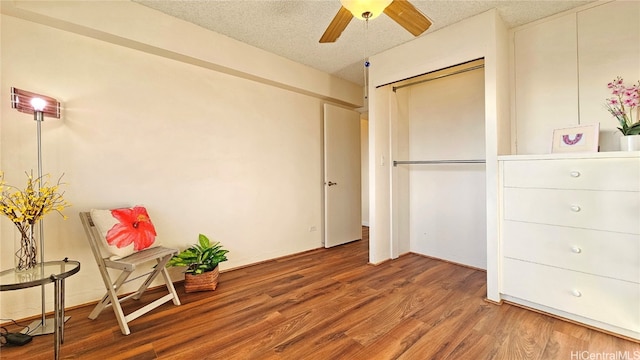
(200, 258)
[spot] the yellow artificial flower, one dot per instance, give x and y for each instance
(26, 207)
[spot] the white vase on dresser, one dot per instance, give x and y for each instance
(630, 143)
(570, 237)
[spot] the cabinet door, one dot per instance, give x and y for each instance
(546, 82)
(608, 46)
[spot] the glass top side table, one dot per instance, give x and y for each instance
(43, 273)
(48, 272)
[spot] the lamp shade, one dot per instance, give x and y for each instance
(360, 7)
(32, 103)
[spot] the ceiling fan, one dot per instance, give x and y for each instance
(401, 11)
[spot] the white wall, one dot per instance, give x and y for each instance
(400, 133)
(207, 149)
(138, 27)
(482, 36)
(364, 153)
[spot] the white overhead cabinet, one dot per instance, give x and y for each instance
(546, 79)
(608, 46)
(562, 67)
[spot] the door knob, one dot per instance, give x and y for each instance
(331, 183)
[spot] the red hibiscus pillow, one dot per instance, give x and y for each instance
(124, 231)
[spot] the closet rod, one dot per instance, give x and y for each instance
(427, 162)
(438, 77)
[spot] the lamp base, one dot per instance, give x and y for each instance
(36, 328)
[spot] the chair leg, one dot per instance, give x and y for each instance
(111, 298)
(105, 302)
(160, 267)
(100, 306)
(170, 287)
(115, 304)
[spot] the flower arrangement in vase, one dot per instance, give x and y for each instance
(623, 105)
(25, 207)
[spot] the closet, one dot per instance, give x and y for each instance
(438, 174)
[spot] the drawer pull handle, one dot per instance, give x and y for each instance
(575, 174)
(575, 208)
(576, 293)
(576, 250)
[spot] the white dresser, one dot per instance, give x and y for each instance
(570, 236)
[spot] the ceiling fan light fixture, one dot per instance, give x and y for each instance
(365, 9)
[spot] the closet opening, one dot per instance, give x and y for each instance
(439, 178)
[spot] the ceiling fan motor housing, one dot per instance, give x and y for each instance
(365, 9)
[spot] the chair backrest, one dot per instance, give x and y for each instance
(93, 235)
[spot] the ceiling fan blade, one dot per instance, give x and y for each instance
(410, 18)
(337, 26)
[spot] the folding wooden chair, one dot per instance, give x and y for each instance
(128, 265)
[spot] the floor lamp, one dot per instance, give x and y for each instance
(40, 106)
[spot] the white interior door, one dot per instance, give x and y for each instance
(342, 197)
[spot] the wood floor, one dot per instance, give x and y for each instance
(330, 304)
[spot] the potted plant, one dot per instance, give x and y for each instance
(201, 261)
(623, 105)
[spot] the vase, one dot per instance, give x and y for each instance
(630, 143)
(25, 247)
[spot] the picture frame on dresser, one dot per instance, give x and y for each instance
(582, 138)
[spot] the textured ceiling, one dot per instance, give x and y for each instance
(292, 28)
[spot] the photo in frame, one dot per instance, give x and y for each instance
(576, 139)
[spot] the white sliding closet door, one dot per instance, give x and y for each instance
(447, 203)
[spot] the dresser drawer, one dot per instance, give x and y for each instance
(602, 299)
(603, 253)
(600, 210)
(587, 174)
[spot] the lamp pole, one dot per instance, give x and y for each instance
(42, 327)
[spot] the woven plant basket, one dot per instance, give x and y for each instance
(207, 281)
